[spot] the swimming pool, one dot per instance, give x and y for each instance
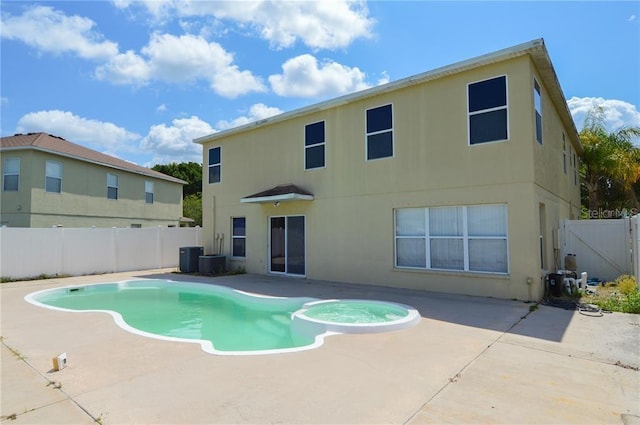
(224, 320)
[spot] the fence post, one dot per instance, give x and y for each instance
(635, 246)
(159, 246)
(61, 244)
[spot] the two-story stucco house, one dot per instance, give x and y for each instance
(48, 181)
(453, 180)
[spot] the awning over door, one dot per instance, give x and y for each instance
(281, 193)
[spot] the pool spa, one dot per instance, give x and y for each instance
(223, 320)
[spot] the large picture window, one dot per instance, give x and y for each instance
(112, 186)
(379, 132)
(488, 114)
(11, 174)
(53, 177)
(314, 146)
(215, 165)
(239, 237)
(465, 238)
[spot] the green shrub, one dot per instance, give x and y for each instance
(627, 284)
(622, 295)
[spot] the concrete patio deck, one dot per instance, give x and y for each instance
(470, 360)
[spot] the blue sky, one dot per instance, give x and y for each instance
(140, 79)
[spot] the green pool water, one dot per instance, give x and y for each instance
(355, 312)
(223, 320)
(230, 320)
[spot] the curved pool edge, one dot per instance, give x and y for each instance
(205, 345)
(412, 319)
(313, 328)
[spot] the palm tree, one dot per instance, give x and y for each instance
(608, 158)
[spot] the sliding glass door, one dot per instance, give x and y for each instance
(287, 245)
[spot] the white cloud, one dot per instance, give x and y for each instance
(49, 30)
(617, 113)
(303, 76)
(161, 108)
(257, 112)
(99, 135)
(125, 68)
(632, 18)
(174, 143)
(327, 24)
(181, 59)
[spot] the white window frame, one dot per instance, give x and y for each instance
(6, 171)
(148, 184)
(373, 133)
(234, 237)
(111, 186)
(217, 164)
(482, 111)
(315, 145)
(464, 237)
(537, 109)
(47, 176)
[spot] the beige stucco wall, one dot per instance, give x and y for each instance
(83, 201)
(350, 223)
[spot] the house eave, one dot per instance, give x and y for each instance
(287, 197)
(535, 48)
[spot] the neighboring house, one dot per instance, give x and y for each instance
(48, 181)
(453, 180)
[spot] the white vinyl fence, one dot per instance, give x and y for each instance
(30, 252)
(605, 249)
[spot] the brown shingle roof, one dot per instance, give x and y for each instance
(283, 189)
(57, 145)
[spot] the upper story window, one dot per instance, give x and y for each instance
(314, 146)
(239, 237)
(564, 154)
(11, 174)
(537, 101)
(488, 114)
(215, 165)
(53, 179)
(575, 170)
(379, 132)
(148, 192)
(112, 186)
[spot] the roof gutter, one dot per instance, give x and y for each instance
(455, 68)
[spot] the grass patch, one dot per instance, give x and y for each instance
(622, 295)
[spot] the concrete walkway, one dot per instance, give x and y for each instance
(470, 360)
